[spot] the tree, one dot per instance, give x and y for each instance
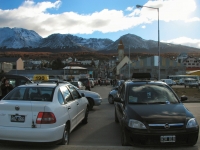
(57, 64)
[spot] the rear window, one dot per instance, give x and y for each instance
(31, 94)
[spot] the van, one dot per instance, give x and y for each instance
(191, 82)
(168, 81)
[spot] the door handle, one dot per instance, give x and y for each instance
(69, 108)
(77, 103)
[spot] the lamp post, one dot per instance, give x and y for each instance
(129, 64)
(140, 6)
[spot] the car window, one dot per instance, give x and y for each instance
(66, 94)
(151, 94)
(60, 98)
(74, 92)
(13, 82)
(31, 94)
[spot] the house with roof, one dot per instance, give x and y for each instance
(17, 63)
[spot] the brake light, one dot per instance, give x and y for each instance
(45, 118)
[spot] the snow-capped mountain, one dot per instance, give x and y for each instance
(19, 38)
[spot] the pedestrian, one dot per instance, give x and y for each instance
(6, 87)
(111, 82)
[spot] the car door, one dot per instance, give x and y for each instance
(71, 106)
(121, 106)
(81, 105)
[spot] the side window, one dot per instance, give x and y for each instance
(13, 82)
(74, 92)
(66, 94)
(60, 98)
(22, 81)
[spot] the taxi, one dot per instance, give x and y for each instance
(41, 112)
(151, 114)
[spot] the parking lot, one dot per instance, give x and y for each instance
(101, 132)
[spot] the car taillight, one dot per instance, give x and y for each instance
(45, 118)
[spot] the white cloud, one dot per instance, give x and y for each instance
(185, 41)
(169, 10)
(129, 8)
(34, 16)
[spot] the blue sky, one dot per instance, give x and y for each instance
(179, 20)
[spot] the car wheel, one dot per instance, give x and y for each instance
(110, 99)
(116, 119)
(91, 103)
(124, 139)
(65, 138)
(85, 120)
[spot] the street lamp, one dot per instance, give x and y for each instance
(140, 6)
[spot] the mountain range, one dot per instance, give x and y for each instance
(20, 39)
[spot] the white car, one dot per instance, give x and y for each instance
(42, 113)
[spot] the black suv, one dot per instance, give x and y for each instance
(150, 113)
(16, 80)
(86, 83)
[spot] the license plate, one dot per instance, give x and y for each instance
(17, 118)
(167, 138)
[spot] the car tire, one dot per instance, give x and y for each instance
(85, 120)
(91, 103)
(124, 139)
(116, 119)
(110, 99)
(65, 138)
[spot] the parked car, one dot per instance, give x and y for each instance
(86, 83)
(105, 82)
(78, 84)
(93, 98)
(91, 82)
(150, 113)
(42, 112)
(168, 81)
(114, 91)
(191, 82)
(112, 94)
(16, 80)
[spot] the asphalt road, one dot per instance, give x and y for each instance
(101, 132)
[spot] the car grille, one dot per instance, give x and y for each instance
(166, 126)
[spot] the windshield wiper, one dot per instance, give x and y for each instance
(160, 103)
(138, 103)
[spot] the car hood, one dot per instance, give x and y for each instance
(158, 113)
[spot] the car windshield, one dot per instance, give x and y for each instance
(151, 94)
(31, 94)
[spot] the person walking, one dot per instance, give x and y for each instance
(6, 87)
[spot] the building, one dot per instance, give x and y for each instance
(150, 64)
(192, 63)
(17, 63)
(121, 64)
(120, 51)
(181, 57)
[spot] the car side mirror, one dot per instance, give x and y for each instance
(82, 94)
(183, 98)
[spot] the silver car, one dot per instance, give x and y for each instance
(112, 95)
(93, 98)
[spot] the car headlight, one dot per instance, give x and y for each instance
(192, 123)
(136, 124)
